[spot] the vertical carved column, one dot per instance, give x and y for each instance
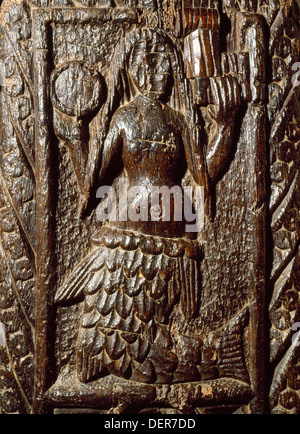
(45, 260)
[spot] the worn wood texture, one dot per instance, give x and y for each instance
(147, 312)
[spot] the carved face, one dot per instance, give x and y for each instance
(151, 68)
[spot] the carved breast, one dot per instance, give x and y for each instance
(152, 151)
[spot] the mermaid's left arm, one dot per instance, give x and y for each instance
(196, 162)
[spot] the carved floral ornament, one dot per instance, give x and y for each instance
(149, 201)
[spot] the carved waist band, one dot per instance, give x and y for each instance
(148, 244)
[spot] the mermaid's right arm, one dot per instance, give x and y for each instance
(112, 145)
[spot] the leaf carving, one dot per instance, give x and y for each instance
(17, 215)
(284, 308)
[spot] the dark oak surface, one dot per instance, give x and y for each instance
(143, 314)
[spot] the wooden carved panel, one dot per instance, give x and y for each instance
(149, 206)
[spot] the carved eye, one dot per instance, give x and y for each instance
(152, 60)
(76, 89)
(165, 65)
(159, 63)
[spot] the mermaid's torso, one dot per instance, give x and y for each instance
(152, 148)
(152, 155)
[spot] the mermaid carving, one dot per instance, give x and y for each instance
(140, 275)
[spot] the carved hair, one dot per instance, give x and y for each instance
(138, 40)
